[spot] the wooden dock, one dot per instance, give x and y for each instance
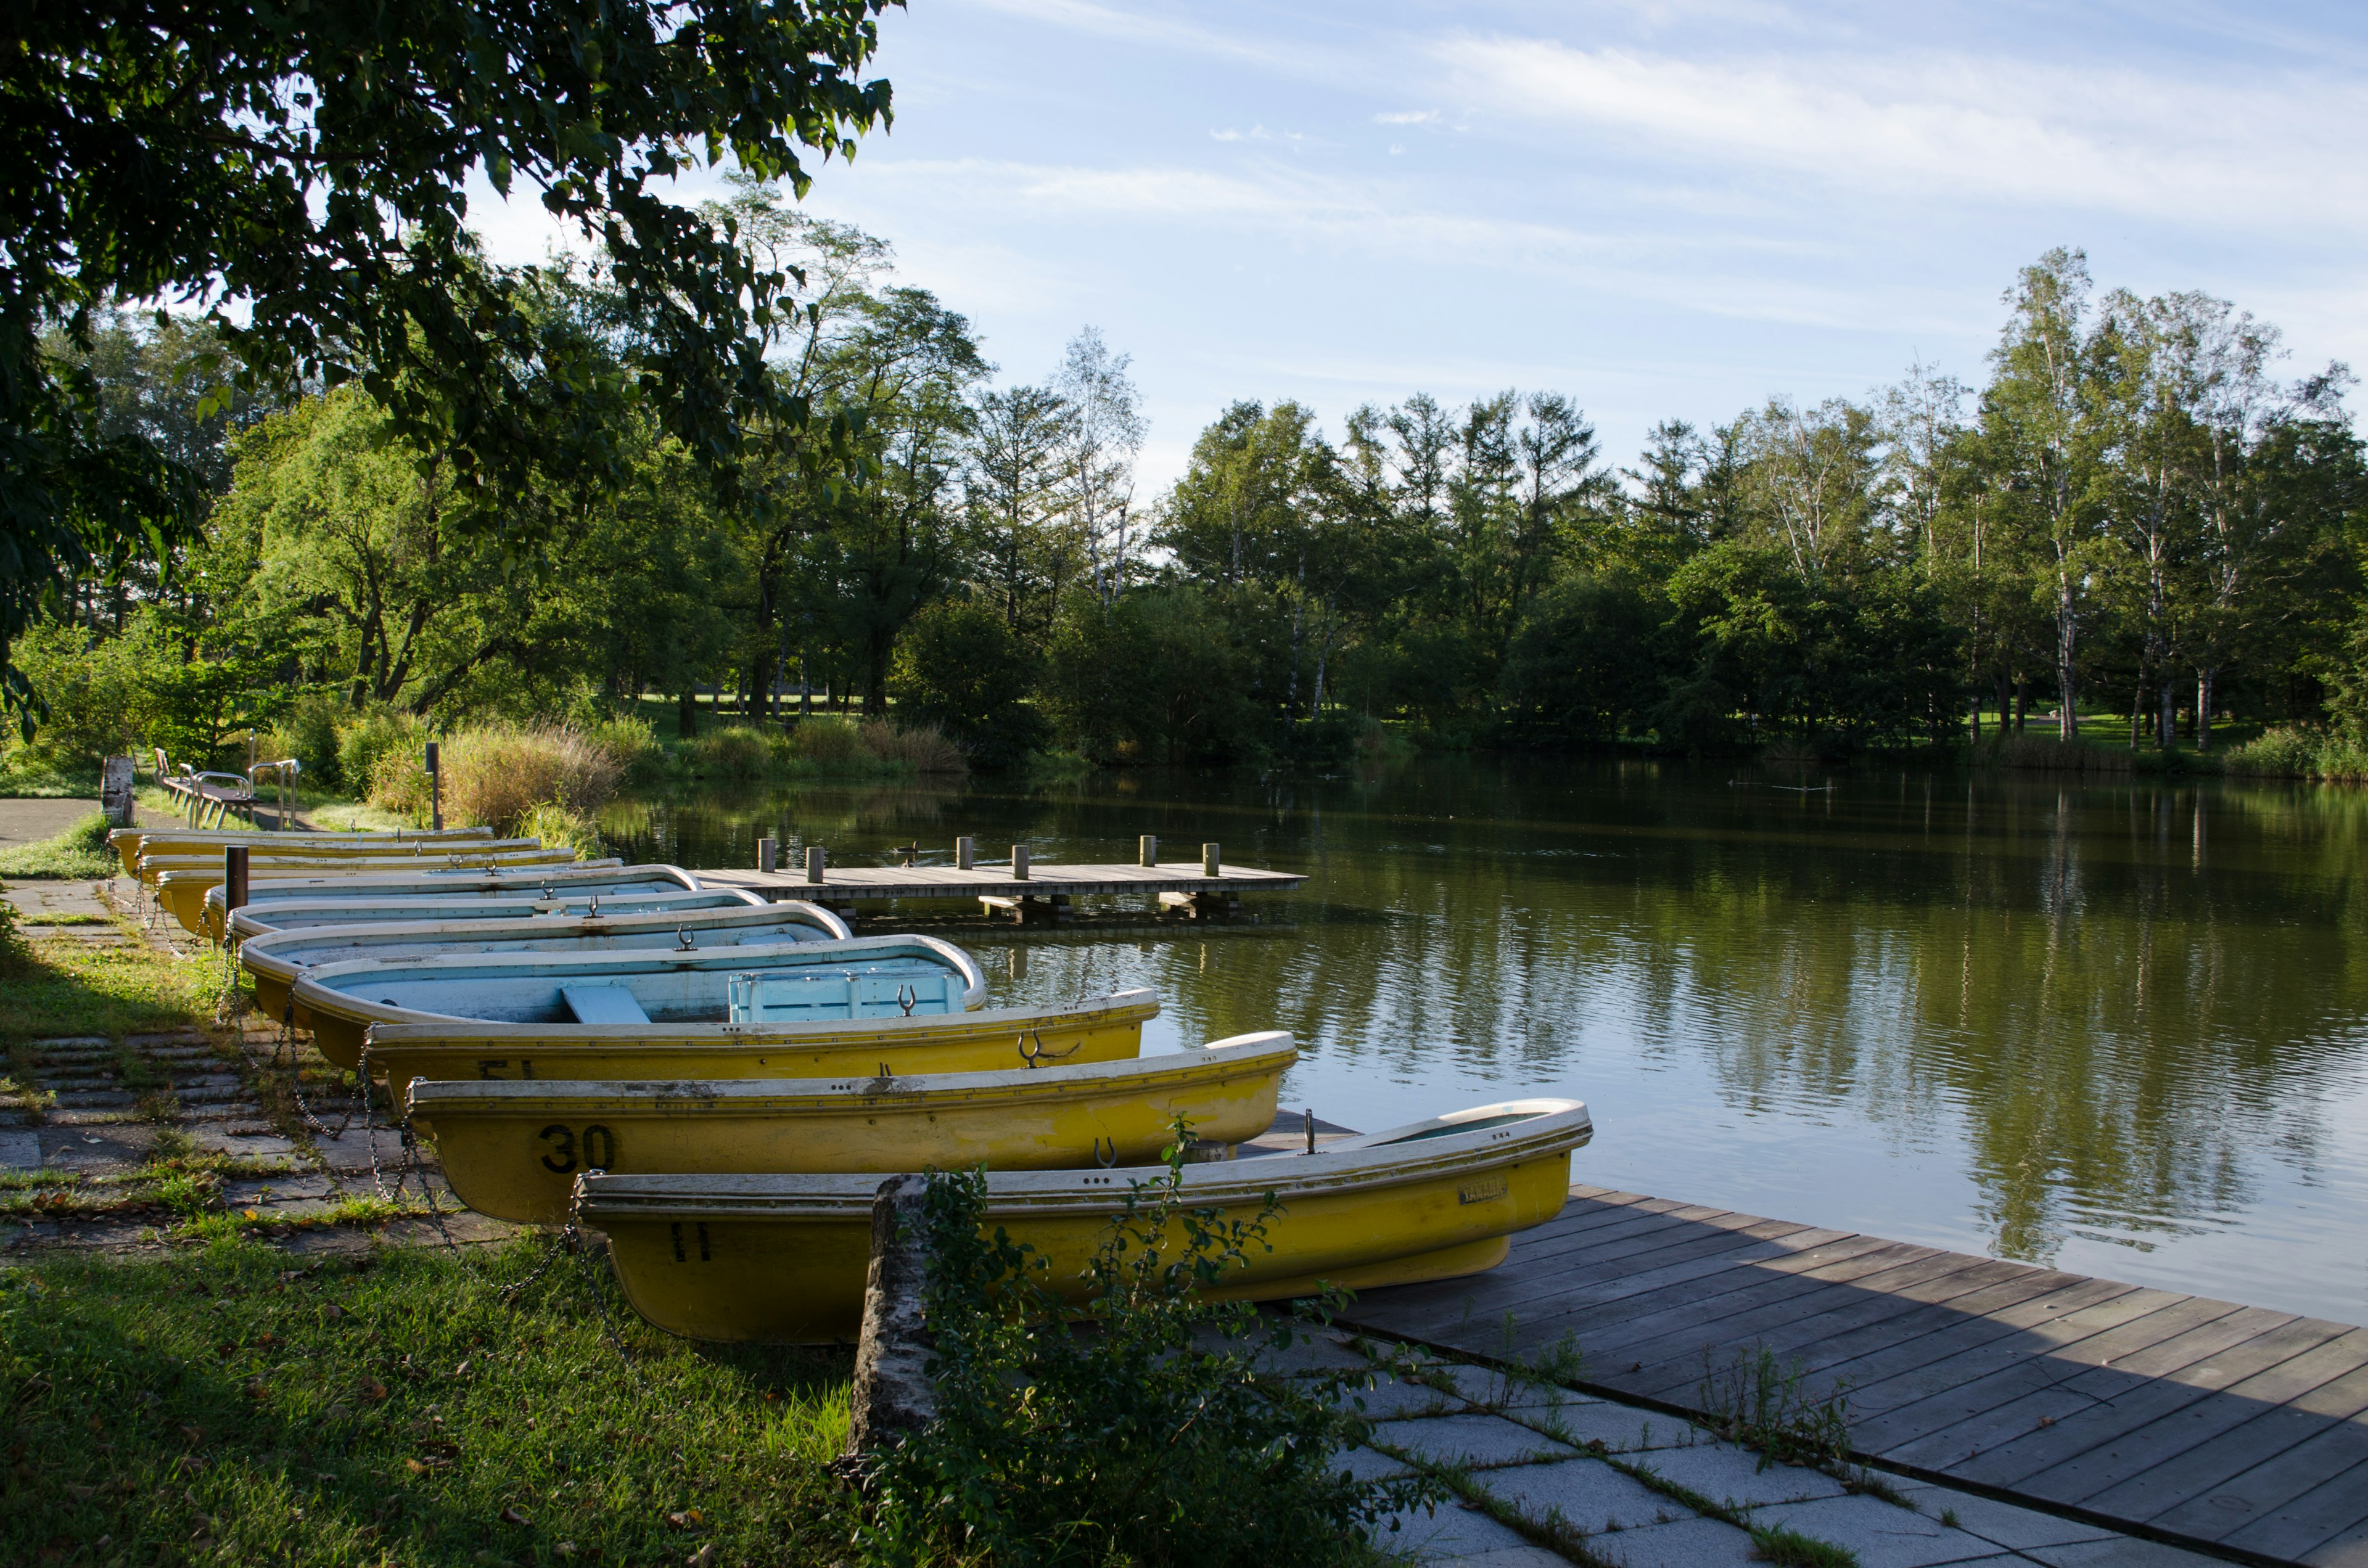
(1051, 889)
(2234, 1429)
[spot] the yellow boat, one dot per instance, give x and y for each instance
(1104, 1028)
(180, 884)
(897, 977)
(365, 889)
(512, 1149)
(275, 959)
(131, 843)
(783, 1257)
(157, 859)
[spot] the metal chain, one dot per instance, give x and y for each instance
(571, 1240)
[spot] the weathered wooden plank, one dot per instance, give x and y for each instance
(1772, 1300)
(2285, 1498)
(1852, 1308)
(2031, 1395)
(1584, 1280)
(1911, 1403)
(2324, 1527)
(2212, 1443)
(1696, 1283)
(2101, 1443)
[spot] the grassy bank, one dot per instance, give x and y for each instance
(77, 854)
(72, 988)
(415, 1407)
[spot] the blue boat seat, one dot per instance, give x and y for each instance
(602, 1004)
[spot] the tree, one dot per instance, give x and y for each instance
(1104, 433)
(2044, 441)
(310, 162)
(1012, 496)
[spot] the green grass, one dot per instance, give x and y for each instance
(399, 1408)
(1791, 1548)
(65, 987)
(77, 854)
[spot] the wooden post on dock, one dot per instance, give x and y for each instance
(1019, 862)
(965, 853)
(814, 861)
(1150, 852)
(768, 855)
(1210, 862)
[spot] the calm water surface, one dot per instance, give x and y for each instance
(2118, 1028)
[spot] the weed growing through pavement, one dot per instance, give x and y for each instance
(1761, 1404)
(1791, 1548)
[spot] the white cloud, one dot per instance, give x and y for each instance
(1960, 126)
(1407, 116)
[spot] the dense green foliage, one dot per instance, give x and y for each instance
(1150, 1433)
(2133, 516)
(311, 162)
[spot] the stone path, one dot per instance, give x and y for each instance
(296, 1162)
(1552, 1477)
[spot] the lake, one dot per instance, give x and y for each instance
(2119, 1029)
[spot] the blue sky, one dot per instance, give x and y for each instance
(1665, 208)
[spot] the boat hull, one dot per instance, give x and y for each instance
(512, 1150)
(275, 959)
(783, 1259)
(130, 843)
(607, 878)
(673, 989)
(1107, 1028)
(181, 885)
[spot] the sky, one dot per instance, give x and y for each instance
(1665, 208)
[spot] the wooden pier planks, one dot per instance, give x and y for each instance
(2235, 1428)
(1041, 881)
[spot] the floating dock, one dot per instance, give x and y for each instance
(2231, 1429)
(1045, 892)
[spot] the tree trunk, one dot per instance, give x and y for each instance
(2203, 678)
(2138, 711)
(2022, 703)
(2067, 707)
(1974, 704)
(686, 712)
(2165, 716)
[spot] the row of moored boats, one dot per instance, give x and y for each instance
(718, 1084)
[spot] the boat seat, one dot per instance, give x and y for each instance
(602, 1004)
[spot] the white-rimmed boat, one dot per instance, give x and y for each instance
(783, 1257)
(1097, 1028)
(180, 883)
(275, 959)
(870, 977)
(511, 1149)
(584, 879)
(310, 913)
(131, 843)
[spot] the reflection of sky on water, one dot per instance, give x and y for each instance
(2120, 1029)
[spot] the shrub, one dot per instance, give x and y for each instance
(2293, 751)
(829, 744)
(924, 748)
(308, 731)
(960, 669)
(367, 739)
(633, 742)
(1148, 1435)
(733, 751)
(563, 829)
(496, 775)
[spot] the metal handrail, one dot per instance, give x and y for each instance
(283, 775)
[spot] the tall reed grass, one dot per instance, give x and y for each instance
(498, 775)
(2295, 751)
(824, 746)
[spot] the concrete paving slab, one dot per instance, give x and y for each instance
(1882, 1534)
(1451, 1534)
(1730, 1475)
(1589, 1493)
(1621, 1428)
(20, 1150)
(1688, 1543)
(1476, 1441)
(1365, 1464)
(1391, 1399)
(2018, 1529)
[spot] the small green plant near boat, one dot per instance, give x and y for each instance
(1761, 1403)
(1791, 1548)
(1147, 1433)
